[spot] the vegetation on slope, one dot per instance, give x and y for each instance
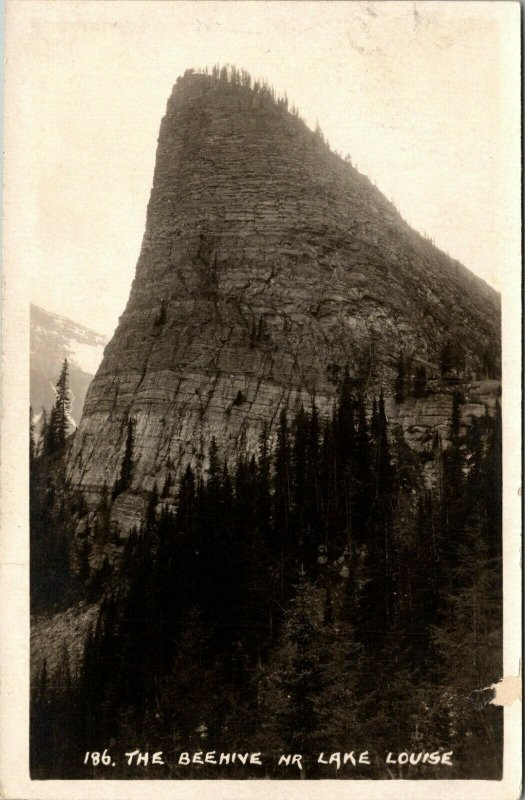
(317, 598)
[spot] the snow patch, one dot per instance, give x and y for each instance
(86, 356)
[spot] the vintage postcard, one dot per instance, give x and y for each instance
(261, 402)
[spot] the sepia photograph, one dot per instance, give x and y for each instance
(262, 265)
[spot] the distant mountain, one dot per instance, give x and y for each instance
(52, 339)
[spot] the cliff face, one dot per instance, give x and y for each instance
(268, 264)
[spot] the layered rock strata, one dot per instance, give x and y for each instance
(268, 264)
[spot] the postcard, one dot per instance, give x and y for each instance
(261, 402)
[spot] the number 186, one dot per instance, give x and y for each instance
(98, 758)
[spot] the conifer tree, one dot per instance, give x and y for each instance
(289, 693)
(362, 476)
(263, 483)
(126, 468)
(341, 665)
(188, 688)
(346, 472)
(41, 725)
(453, 494)
(214, 470)
(489, 362)
(377, 596)
(32, 445)
(493, 481)
(167, 485)
(282, 493)
(383, 468)
(61, 412)
(328, 484)
(468, 646)
(185, 517)
(44, 433)
(299, 487)
(399, 384)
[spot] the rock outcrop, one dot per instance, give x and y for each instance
(268, 264)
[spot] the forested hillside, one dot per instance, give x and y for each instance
(316, 598)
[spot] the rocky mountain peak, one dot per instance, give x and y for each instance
(268, 265)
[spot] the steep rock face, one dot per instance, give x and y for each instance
(421, 419)
(268, 264)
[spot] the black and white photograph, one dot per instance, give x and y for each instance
(262, 262)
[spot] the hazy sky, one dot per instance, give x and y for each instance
(414, 92)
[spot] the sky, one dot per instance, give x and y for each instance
(417, 93)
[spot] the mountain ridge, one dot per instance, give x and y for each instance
(54, 337)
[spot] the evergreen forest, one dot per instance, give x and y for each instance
(314, 597)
